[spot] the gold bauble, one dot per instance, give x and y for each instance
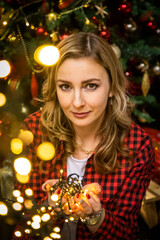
(145, 86)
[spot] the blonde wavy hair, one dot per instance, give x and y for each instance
(117, 119)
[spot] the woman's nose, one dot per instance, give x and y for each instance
(78, 100)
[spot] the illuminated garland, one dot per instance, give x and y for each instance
(41, 220)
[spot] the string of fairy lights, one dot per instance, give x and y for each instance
(39, 220)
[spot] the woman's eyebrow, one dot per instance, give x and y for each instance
(85, 81)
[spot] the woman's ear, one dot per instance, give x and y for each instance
(110, 94)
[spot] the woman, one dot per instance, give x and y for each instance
(87, 116)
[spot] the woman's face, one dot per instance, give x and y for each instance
(83, 90)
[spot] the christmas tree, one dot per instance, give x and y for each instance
(131, 27)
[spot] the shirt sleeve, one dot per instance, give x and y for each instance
(121, 219)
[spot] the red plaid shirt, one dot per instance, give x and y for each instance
(122, 191)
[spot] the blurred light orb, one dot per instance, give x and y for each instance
(22, 165)
(46, 151)
(20, 199)
(46, 55)
(36, 218)
(18, 234)
(16, 145)
(27, 231)
(5, 68)
(55, 235)
(28, 203)
(17, 206)
(45, 217)
(35, 225)
(22, 178)
(54, 197)
(3, 209)
(26, 136)
(29, 192)
(47, 238)
(16, 193)
(2, 99)
(56, 229)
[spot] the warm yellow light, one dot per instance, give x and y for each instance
(18, 234)
(5, 23)
(47, 238)
(87, 21)
(16, 193)
(26, 136)
(36, 218)
(20, 199)
(35, 225)
(71, 218)
(29, 222)
(46, 55)
(28, 203)
(66, 220)
(2, 99)
(3, 209)
(27, 231)
(16, 145)
(46, 151)
(22, 166)
(29, 192)
(54, 197)
(17, 206)
(56, 229)
(43, 209)
(5, 68)
(45, 217)
(22, 178)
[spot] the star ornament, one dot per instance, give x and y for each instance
(101, 10)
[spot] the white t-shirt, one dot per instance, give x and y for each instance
(76, 166)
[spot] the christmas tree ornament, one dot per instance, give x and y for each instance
(40, 31)
(143, 65)
(55, 37)
(156, 69)
(104, 32)
(125, 7)
(64, 3)
(13, 38)
(145, 85)
(24, 109)
(101, 10)
(151, 24)
(116, 50)
(34, 89)
(130, 25)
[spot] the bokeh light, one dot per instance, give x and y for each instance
(29, 192)
(45, 217)
(2, 99)
(18, 234)
(16, 145)
(16, 193)
(17, 206)
(5, 68)
(46, 55)
(22, 178)
(26, 136)
(46, 151)
(3, 209)
(22, 165)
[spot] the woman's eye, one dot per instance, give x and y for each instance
(65, 87)
(92, 86)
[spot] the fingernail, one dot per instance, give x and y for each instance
(77, 195)
(59, 191)
(88, 196)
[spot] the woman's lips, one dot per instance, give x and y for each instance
(81, 115)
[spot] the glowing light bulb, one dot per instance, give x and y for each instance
(5, 68)
(43, 209)
(36, 218)
(29, 192)
(29, 222)
(22, 166)
(5, 23)
(20, 199)
(46, 151)
(18, 234)
(54, 197)
(35, 225)
(47, 238)
(16, 193)
(3, 209)
(2, 99)
(27, 231)
(55, 235)
(28, 203)
(45, 217)
(71, 218)
(46, 55)
(16, 145)
(56, 229)
(17, 206)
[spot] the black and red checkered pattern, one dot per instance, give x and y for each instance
(122, 191)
